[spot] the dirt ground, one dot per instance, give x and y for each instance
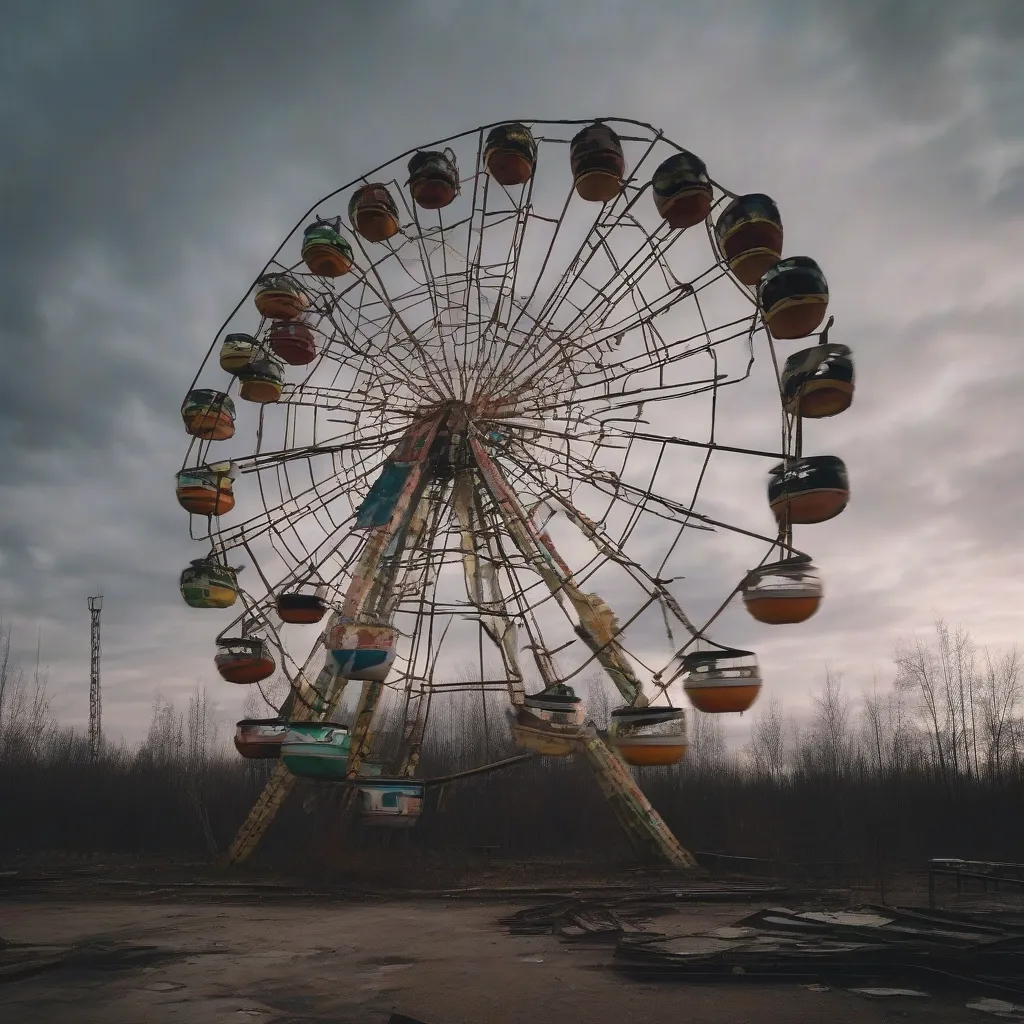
(336, 962)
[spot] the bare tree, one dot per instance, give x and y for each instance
(707, 753)
(956, 654)
(201, 733)
(768, 741)
(252, 706)
(944, 680)
(1001, 694)
(917, 675)
(26, 715)
(6, 670)
(831, 729)
(165, 740)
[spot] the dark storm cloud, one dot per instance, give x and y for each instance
(118, 113)
(158, 152)
(910, 48)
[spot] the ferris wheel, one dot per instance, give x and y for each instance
(452, 425)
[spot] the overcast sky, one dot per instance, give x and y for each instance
(155, 153)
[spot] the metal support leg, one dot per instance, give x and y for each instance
(643, 825)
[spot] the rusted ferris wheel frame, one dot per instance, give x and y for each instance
(492, 508)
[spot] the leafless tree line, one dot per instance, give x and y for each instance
(867, 783)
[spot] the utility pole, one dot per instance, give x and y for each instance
(95, 728)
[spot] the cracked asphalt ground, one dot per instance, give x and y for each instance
(333, 962)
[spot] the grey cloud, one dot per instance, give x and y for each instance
(162, 150)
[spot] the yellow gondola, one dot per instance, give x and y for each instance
(236, 351)
(550, 722)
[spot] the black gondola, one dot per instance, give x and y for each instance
(510, 154)
(793, 296)
(682, 191)
(818, 382)
(812, 489)
(749, 233)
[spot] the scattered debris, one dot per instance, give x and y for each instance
(817, 988)
(886, 993)
(999, 1007)
(23, 961)
(733, 933)
(871, 943)
(613, 915)
(581, 921)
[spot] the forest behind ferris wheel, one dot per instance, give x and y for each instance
(465, 445)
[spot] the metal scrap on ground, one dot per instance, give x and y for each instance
(608, 916)
(870, 943)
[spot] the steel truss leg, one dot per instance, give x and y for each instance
(281, 781)
(647, 831)
(363, 588)
(482, 586)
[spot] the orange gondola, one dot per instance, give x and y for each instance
(648, 737)
(749, 234)
(726, 681)
(818, 382)
(206, 490)
(812, 489)
(325, 250)
(682, 190)
(598, 163)
(244, 660)
(260, 738)
(280, 297)
(261, 380)
(373, 212)
(209, 415)
(793, 296)
(510, 154)
(433, 179)
(784, 592)
(296, 607)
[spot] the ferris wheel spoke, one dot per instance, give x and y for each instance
(612, 486)
(614, 551)
(574, 269)
(380, 291)
(595, 621)
(483, 588)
